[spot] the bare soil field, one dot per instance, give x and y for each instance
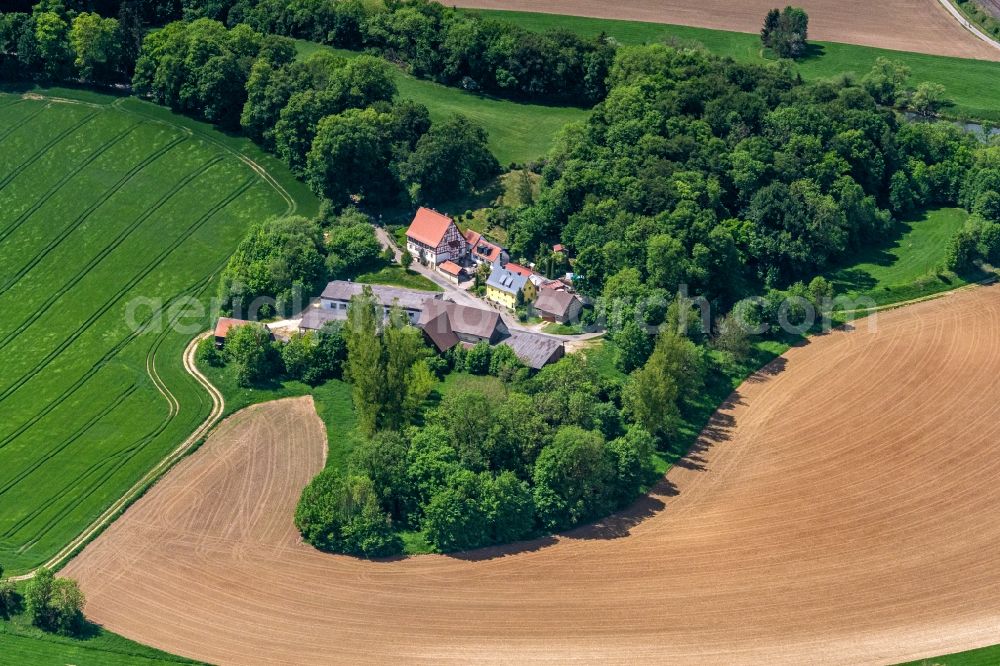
(923, 26)
(840, 508)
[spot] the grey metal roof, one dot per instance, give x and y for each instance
(554, 302)
(409, 299)
(314, 318)
(461, 319)
(505, 280)
(534, 349)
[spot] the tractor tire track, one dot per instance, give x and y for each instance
(59, 448)
(218, 407)
(62, 182)
(20, 123)
(87, 212)
(108, 249)
(19, 169)
(130, 450)
(48, 358)
(93, 370)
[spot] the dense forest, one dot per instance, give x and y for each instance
(735, 179)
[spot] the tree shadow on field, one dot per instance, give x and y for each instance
(772, 369)
(717, 429)
(620, 524)
(493, 552)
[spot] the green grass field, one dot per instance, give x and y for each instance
(987, 656)
(970, 83)
(518, 132)
(25, 645)
(909, 266)
(109, 211)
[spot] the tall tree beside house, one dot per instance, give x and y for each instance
(656, 393)
(364, 360)
(277, 261)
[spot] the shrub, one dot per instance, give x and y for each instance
(208, 354)
(54, 604)
(342, 515)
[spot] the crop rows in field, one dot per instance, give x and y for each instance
(101, 205)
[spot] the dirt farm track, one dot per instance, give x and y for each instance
(923, 26)
(841, 509)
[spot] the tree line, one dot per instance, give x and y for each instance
(436, 42)
(334, 121)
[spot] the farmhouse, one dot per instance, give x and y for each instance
(338, 294)
(482, 251)
(434, 238)
(446, 324)
(557, 305)
(508, 288)
(534, 349)
(223, 326)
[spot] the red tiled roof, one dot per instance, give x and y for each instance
(473, 237)
(558, 247)
(226, 323)
(428, 227)
(451, 268)
(482, 247)
(519, 269)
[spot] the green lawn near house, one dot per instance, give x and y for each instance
(518, 132)
(972, 84)
(397, 276)
(114, 217)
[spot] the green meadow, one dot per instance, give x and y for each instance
(911, 265)
(518, 132)
(20, 643)
(111, 215)
(972, 84)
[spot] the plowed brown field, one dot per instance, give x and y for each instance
(842, 508)
(923, 26)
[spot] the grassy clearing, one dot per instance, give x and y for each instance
(397, 276)
(970, 83)
(518, 132)
(987, 656)
(103, 202)
(21, 643)
(909, 266)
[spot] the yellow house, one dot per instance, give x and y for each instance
(504, 287)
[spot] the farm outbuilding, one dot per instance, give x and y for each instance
(223, 326)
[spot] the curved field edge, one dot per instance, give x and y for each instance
(166, 359)
(737, 598)
(970, 83)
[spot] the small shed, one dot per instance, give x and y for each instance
(451, 270)
(223, 326)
